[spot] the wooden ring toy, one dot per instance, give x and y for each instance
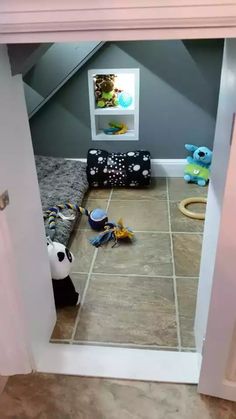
(192, 214)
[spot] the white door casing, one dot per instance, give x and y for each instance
(218, 376)
(22, 22)
(22, 227)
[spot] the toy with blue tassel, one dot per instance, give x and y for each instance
(112, 232)
(98, 220)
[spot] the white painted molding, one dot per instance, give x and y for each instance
(162, 167)
(121, 363)
(23, 19)
(168, 167)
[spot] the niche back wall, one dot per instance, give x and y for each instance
(179, 86)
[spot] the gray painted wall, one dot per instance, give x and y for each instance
(56, 64)
(24, 56)
(179, 84)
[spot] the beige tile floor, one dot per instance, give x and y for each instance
(141, 294)
(48, 396)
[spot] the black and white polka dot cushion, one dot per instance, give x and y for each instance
(131, 169)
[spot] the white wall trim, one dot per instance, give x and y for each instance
(23, 21)
(162, 167)
(121, 363)
(168, 167)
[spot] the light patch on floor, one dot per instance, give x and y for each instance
(141, 294)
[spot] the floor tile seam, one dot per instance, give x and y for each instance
(174, 273)
(190, 348)
(153, 231)
(78, 273)
(139, 200)
(134, 275)
(84, 295)
(88, 281)
(109, 200)
(123, 345)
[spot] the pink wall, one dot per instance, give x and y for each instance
(73, 20)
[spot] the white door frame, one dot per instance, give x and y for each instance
(22, 21)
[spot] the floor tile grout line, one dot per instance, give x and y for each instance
(155, 231)
(133, 275)
(87, 282)
(124, 345)
(151, 199)
(174, 274)
(109, 200)
(84, 295)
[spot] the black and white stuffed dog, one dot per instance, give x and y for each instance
(61, 260)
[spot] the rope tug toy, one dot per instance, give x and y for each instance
(53, 212)
(114, 232)
(97, 219)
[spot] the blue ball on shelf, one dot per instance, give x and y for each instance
(125, 99)
(97, 219)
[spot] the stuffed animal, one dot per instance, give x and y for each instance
(198, 167)
(105, 92)
(61, 259)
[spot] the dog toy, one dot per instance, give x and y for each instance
(184, 204)
(198, 166)
(96, 218)
(125, 99)
(112, 231)
(116, 128)
(61, 259)
(105, 92)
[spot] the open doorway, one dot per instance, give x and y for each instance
(141, 295)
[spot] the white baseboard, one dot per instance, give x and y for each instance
(120, 363)
(168, 167)
(163, 167)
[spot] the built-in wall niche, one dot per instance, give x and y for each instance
(114, 104)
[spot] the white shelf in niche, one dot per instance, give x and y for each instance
(114, 111)
(100, 117)
(128, 136)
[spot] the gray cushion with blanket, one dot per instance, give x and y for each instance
(61, 181)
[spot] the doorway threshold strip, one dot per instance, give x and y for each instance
(120, 363)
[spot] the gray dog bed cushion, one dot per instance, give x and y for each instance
(61, 181)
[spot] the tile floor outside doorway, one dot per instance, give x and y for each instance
(141, 294)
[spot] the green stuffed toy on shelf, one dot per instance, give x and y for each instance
(105, 92)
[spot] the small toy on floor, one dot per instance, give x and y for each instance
(198, 167)
(112, 231)
(61, 259)
(96, 218)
